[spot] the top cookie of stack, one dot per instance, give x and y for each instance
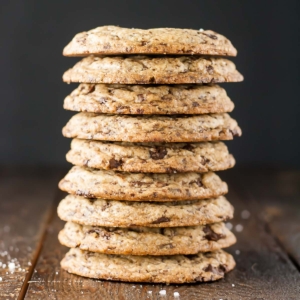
(148, 104)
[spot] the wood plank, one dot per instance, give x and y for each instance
(26, 196)
(263, 271)
(277, 194)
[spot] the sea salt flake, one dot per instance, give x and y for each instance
(237, 252)
(176, 294)
(162, 292)
(233, 285)
(11, 266)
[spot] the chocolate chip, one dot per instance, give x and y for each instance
(140, 183)
(161, 220)
(192, 256)
(85, 194)
(171, 170)
(141, 97)
(102, 100)
(199, 279)
(211, 235)
(212, 36)
(105, 206)
(152, 79)
(92, 89)
(204, 160)
(158, 153)
(188, 147)
(106, 235)
(113, 163)
(93, 231)
(168, 246)
(220, 270)
(140, 111)
(143, 43)
(210, 70)
(198, 182)
(234, 132)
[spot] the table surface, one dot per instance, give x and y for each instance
(267, 252)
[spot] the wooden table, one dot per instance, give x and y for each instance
(267, 252)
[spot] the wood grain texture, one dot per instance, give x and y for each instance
(26, 197)
(264, 270)
(277, 198)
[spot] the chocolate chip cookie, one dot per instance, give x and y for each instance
(208, 266)
(126, 128)
(92, 183)
(117, 40)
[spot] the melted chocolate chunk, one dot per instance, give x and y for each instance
(212, 36)
(161, 220)
(188, 147)
(204, 160)
(220, 270)
(93, 231)
(195, 104)
(211, 235)
(158, 153)
(152, 80)
(169, 246)
(113, 163)
(210, 70)
(140, 111)
(198, 182)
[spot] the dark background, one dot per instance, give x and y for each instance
(33, 34)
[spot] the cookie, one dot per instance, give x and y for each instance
(127, 128)
(153, 70)
(146, 240)
(110, 213)
(117, 40)
(208, 266)
(149, 99)
(150, 158)
(92, 183)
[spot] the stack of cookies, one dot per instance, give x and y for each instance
(144, 202)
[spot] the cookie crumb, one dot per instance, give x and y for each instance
(163, 292)
(11, 266)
